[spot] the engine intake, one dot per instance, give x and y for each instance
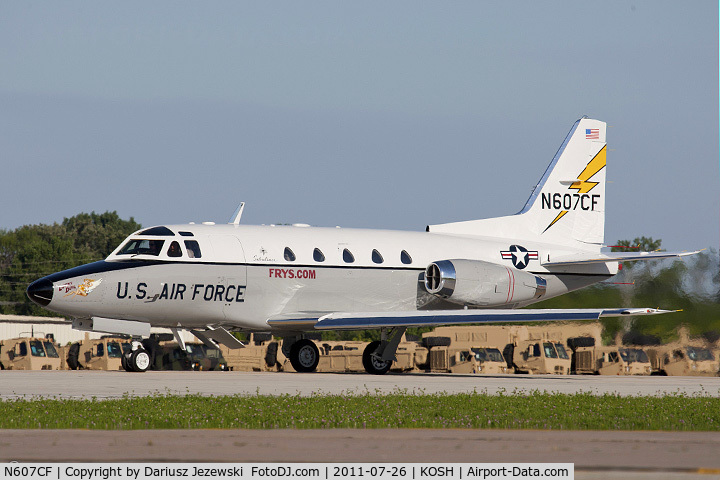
(479, 283)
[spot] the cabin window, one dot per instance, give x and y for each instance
(158, 232)
(186, 234)
(318, 255)
(50, 349)
(549, 350)
(114, 350)
(193, 249)
(376, 257)
(405, 258)
(23, 349)
(36, 348)
(174, 250)
(100, 350)
(348, 256)
(289, 255)
(139, 246)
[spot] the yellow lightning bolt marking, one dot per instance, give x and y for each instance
(560, 215)
(583, 185)
(595, 165)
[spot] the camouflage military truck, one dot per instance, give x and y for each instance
(99, 354)
(411, 356)
(341, 356)
(29, 353)
(526, 349)
(687, 360)
(262, 353)
(588, 358)
(540, 357)
(488, 360)
(687, 356)
(462, 352)
(168, 355)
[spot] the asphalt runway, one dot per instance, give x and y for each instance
(596, 454)
(102, 385)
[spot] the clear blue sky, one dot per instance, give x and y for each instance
(363, 114)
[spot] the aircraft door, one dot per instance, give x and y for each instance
(231, 273)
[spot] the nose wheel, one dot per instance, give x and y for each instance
(136, 360)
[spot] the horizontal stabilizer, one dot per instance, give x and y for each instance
(580, 259)
(370, 320)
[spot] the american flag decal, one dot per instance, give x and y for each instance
(592, 134)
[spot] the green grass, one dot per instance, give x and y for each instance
(518, 411)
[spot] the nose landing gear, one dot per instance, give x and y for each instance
(137, 359)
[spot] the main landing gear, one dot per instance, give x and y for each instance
(377, 357)
(137, 359)
(304, 356)
(380, 354)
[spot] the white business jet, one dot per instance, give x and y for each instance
(290, 280)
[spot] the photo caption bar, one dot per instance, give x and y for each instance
(278, 471)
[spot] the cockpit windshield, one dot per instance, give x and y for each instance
(141, 246)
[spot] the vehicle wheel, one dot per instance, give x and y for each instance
(124, 362)
(151, 346)
(373, 364)
(304, 356)
(577, 342)
(430, 342)
(271, 355)
(72, 358)
(140, 360)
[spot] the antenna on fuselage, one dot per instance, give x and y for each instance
(235, 219)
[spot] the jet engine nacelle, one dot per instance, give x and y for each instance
(478, 283)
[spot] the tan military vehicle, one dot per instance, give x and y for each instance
(262, 353)
(411, 356)
(687, 360)
(531, 349)
(488, 360)
(686, 356)
(588, 358)
(541, 357)
(340, 356)
(29, 353)
(168, 355)
(98, 354)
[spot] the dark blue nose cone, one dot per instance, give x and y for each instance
(41, 292)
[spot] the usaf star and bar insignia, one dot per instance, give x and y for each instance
(520, 256)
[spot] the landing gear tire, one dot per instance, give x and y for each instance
(124, 362)
(373, 364)
(139, 360)
(304, 356)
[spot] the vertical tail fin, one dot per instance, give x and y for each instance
(569, 200)
(567, 205)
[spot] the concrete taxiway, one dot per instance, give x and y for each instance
(102, 385)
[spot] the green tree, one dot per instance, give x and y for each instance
(34, 251)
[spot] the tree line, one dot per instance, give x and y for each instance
(33, 251)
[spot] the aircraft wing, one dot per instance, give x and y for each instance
(612, 257)
(371, 320)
